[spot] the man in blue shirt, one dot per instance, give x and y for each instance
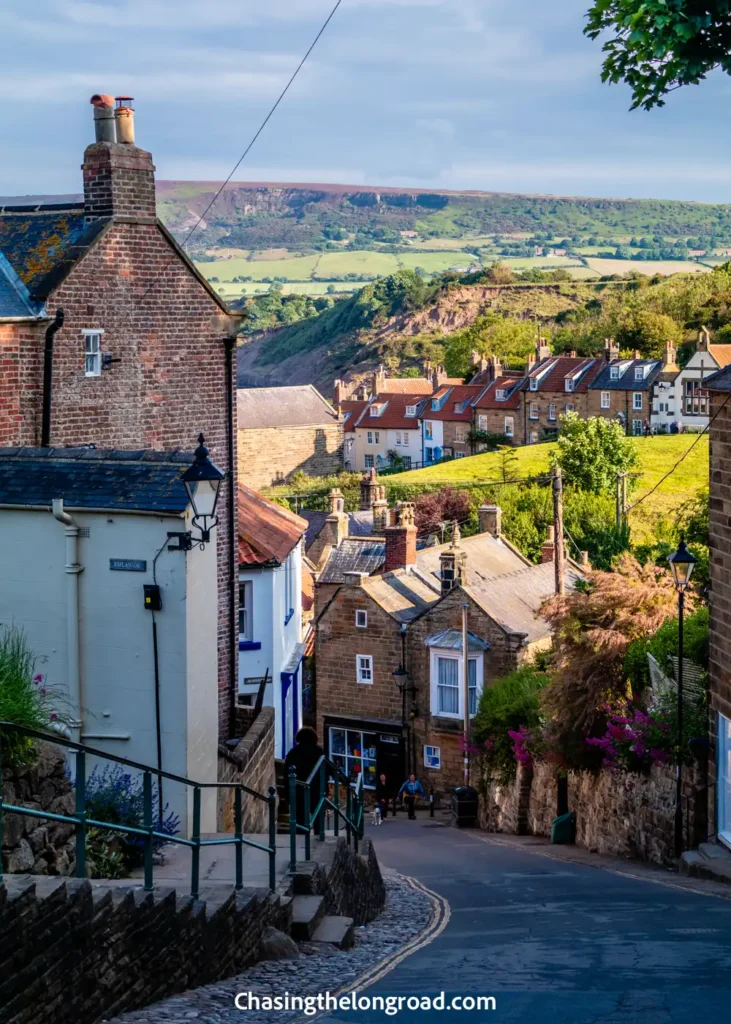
(411, 789)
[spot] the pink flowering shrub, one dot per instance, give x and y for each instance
(634, 740)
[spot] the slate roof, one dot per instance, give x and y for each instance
(513, 599)
(626, 381)
(451, 640)
(355, 554)
(552, 373)
(455, 398)
(141, 481)
(393, 416)
(360, 524)
(42, 243)
(301, 405)
(15, 300)
(403, 594)
(511, 385)
(486, 556)
(719, 381)
(267, 532)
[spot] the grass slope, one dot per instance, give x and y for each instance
(657, 455)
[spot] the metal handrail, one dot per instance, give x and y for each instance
(81, 821)
(353, 815)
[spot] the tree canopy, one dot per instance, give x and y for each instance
(591, 452)
(657, 46)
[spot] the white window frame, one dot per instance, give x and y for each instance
(377, 436)
(614, 373)
(92, 336)
(361, 618)
(639, 372)
(569, 407)
(461, 433)
(410, 410)
(246, 605)
(398, 438)
(432, 757)
(428, 430)
(482, 422)
(533, 437)
(606, 400)
(499, 397)
(723, 779)
(533, 386)
(533, 411)
(364, 669)
(347, 758)
(509, 426)
(477, 659)
(552, 412)
(569, 384)
(637, 401)
(405, 439)
(369, 437)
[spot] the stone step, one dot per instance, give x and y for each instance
(699, 865)
(714, 851)
(336, 931)
(307, 912)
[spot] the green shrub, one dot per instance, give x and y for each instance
(26, 698)
(510, 704)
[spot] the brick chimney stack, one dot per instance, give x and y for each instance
(401, 540)
(704, 339)
(370, 490)
(543, 350)
(491, 519)
(119, 178)
(452, 563)
(548, 548)
(611, 351)
(336, 524)
(380, 514)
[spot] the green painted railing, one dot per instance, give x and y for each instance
(352, 814)
(147, 833)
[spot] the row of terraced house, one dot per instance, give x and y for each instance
(421, 420)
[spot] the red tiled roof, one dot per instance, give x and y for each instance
(487, 398)
(393, 416)
(456, 395)
(405, 386)
(721, 353)
(267, 532)
(308, 588)
(558, 368)
(351, 409)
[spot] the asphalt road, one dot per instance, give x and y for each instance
(555, 942)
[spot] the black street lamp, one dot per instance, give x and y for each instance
(202, 482)
(681, 564)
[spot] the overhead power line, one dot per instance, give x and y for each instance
(681, 459)
(241, 159)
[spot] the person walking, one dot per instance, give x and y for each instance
(411, 790)
(383, 792)
(303, 757)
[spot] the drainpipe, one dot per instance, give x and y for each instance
(72, 570)
(51, 332)
(229, 349)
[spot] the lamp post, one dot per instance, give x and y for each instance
(681, 564)
(202, 481)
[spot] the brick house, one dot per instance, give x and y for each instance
(445, 419)
(554, 385)
(497, 408)
(409, 616)
(388, 423)
(719, 681)
(141, 352)
(282, 431)
(623, 390)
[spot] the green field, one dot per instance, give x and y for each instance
(657, 455)
(649, 267)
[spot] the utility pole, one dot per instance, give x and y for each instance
(620, 500)
(558, 556)
(466, 695)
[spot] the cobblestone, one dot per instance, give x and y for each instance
(406, 915)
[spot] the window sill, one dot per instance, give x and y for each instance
(249, 645)
(288, 616)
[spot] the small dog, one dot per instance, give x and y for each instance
(376, 815)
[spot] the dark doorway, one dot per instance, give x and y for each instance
(390, 760)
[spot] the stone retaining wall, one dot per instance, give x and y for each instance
(618, 815)
(251, 763)
(34, 845)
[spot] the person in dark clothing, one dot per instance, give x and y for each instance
(411, 789)
(383, 792)
(303, 757)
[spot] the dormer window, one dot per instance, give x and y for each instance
(500, 394)
(614, 373)
(639, 372)
(411, 410)
(376, 410)
(534, 384)
(569, 384)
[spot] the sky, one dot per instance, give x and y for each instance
(496, 95)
